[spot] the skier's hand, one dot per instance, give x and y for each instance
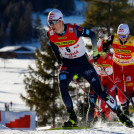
(98, 59)
(59, 65)
(75, 76)
(101, 34)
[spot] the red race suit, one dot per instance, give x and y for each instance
(123, 65)
(104, 75)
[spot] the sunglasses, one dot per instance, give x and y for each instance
(52, 22)
(122, 36)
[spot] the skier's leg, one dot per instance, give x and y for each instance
(110, 87)
(91, 109)
(129, 81)
(65, 77)
(125, 82)
(125, 108)
(91, 76)
(107, 112)
(115, 108)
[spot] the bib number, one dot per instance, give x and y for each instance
(111, 102)
(68, 49)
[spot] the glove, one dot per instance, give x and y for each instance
(75, 76)
(59, 65)
(98, 59)
(101, 34)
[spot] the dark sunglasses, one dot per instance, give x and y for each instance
(52, 22)
(122, 36)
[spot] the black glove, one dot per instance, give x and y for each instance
(96, 58)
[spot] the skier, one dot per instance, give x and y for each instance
(106, 83)
(69, 48)
(123, 63)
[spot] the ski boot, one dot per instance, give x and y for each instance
(91, 109)
(125, 108)
(123, 118)
(125, 111)
(90, 113)
(72, 122)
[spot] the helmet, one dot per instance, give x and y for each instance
(55, 14)
(123, 29)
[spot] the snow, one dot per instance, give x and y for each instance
(11, 82)
(9, 48)
(11, 85)
(98, 129)
(14, 48)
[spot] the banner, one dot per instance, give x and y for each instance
(18, 120)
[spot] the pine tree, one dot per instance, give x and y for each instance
(107, 14)
(130, 19)
(27, 27)
(2, 36)
(42, 86)
(37, 26)
(14, 34)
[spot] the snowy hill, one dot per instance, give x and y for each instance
(11, 82)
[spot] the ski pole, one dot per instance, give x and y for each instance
(100, 110)
(115, 84)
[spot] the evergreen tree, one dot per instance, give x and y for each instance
(130, 19)
(27, 27)
(66, 6)
(2, 36)
(37, 26)
(107, 14)
(14, 33)
(3, 4)
(42, 86)
(18, 21)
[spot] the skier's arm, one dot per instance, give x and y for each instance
(56, 52)
(107, 43)
(84, 32)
